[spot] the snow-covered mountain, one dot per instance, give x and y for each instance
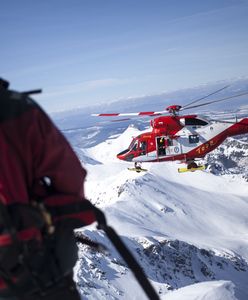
(230, 158)
(188, 231)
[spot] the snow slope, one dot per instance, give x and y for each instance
(220, 290)
(182, 228)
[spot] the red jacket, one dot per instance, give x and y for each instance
(31, 148)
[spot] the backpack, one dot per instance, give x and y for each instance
(32, 250)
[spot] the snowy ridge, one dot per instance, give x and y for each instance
(217, 290)
(182, 228)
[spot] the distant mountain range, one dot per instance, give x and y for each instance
(81, 117)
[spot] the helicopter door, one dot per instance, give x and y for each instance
(161, 146)
(167, 146)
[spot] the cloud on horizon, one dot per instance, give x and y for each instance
(88, 85)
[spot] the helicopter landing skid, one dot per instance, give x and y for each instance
(183, 170)
(137, 169)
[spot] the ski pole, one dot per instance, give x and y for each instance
(126, 254)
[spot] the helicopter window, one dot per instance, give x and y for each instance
(134, 146)
(195, 122)
(193, 139)
(131, 145)
(143, 147)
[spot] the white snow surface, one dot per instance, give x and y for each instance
(215, 290)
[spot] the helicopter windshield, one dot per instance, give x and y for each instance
(134, 145)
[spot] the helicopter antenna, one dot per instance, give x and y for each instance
(215, 101)
(213, 93)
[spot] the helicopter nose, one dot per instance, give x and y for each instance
(125, 156)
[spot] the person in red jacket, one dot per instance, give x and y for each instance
(38, 165)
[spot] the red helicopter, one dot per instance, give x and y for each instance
(183, 138)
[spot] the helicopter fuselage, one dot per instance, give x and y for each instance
(181, 138)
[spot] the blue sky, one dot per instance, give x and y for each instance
(84, 52)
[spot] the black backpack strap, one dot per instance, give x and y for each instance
(131, 262)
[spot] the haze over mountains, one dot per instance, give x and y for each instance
(159, 102)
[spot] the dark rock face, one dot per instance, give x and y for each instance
(179, 264)
(171, 264)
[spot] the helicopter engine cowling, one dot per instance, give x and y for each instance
(167, 125)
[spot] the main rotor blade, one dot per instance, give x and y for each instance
(120, 120)
(215, 101)
(229, 122)
(139, 114)
(197, 100)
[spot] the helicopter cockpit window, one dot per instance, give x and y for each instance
(131, 145)
(134, 146)
(193, 139)
(195, 122)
